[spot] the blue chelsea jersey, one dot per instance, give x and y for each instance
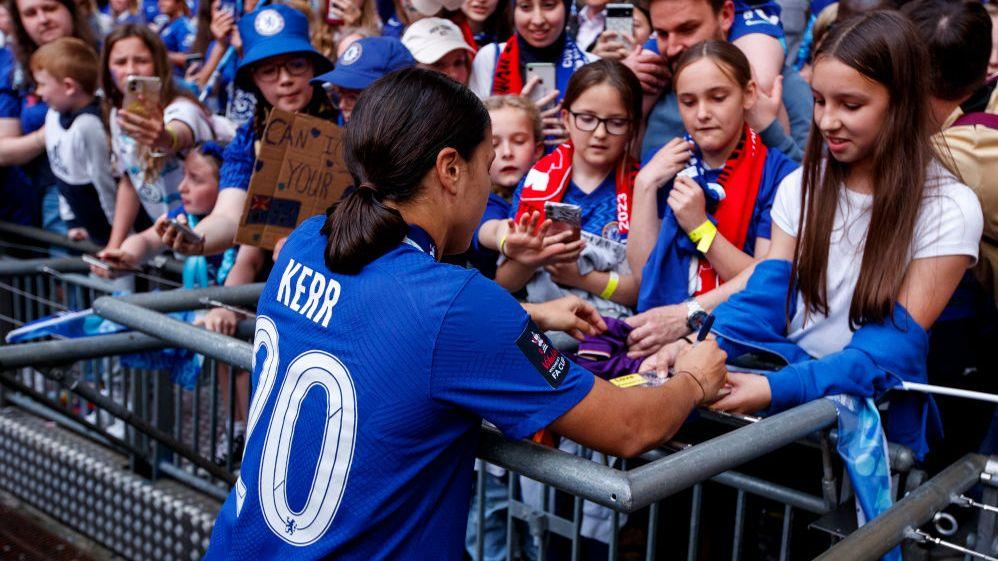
(369, 391)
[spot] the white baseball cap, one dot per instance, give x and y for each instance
(429, 39)
(432, 7)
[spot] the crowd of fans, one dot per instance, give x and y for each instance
(705, 150)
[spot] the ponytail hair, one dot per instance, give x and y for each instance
(398, 127)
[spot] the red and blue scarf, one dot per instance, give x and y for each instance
(730, 205)
(548, 180)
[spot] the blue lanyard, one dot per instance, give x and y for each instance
(419, 239)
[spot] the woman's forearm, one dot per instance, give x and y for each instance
(143, 245)
(645, 225)
(513, 276)
(126, 208)
(219, 227)
(19, 150)
(726, 259)
(210, 64)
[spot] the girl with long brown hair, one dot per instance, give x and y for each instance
(148, 144)
(872, 236)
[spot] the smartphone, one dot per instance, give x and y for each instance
(544, 71)
(620, 18)
(186, 231)
(145, 86)
(333, 16)
(94, 261)
(564, 217)
(227, 6)
(192, 59)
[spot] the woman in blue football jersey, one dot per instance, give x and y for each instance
(376, 363)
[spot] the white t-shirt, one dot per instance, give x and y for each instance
(949, 223)
(159, 192)
(483, 68)
(78, 155)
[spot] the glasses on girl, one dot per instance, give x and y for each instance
(587, 122)
(271, 71)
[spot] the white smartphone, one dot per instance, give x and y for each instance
(620, 18)
(186, 231)
(544, 71)
(146, 86)
(96, 262)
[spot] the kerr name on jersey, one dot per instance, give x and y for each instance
(323, 293)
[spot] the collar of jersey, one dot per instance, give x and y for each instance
(419, 239)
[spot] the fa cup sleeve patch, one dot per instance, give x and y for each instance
(542, 354)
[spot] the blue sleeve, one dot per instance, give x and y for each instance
(495, 209)
(10, 104)
(10, 99)
(775, 137)
(490, 359)
(757, 17)
(799, 101)
(878, 357)
(514, 203)
(237, 161)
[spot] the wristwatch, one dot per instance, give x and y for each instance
(695, 314)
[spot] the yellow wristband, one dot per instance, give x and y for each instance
(502, 244)
(611, 286)
(703, 235)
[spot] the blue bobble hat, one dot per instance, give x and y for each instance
(365, 61)
(274, 30)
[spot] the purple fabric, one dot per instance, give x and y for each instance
(606, 355)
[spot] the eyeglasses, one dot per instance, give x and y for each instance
(271, 71)
(587, 122)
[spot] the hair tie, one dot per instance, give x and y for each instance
(371, 189)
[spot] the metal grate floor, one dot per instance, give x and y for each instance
(25, 537)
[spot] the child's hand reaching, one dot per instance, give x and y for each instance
(120, 260)
(220, 320)
(528, 244)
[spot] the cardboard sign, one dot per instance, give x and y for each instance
(298, 173)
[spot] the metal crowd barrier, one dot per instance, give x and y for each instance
(638, 485)
(190, 437)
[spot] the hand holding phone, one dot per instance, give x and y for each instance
(564, 217)
(620, 19)
(186, 231)
(141, 95)
(545, 72)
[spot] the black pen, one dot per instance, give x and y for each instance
(705, 328)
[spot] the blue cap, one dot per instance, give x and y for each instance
(365, 61)
(275, 30)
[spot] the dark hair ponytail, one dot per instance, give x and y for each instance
(398, 127)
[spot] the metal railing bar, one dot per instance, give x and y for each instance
(173, 331)
(88, 392)
(63, 351)
(16, 267)
(659, 479)
(184, 299)
(48, 408)
(194, 481)
(889, 529)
